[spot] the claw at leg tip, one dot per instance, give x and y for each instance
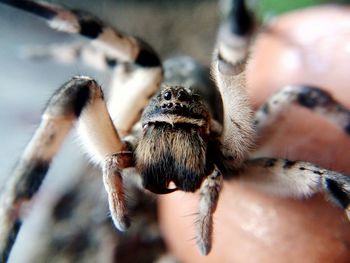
(204, 247)
(122, 224)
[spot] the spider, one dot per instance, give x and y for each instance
(165, 133)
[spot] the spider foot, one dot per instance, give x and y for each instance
(120, 219)
(113, 183)
(209, 196)
(204, 234)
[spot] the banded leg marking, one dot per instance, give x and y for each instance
(297, 179)
(111, 41)
(228, 69)
(57, 120)
(109, 47)
(80, 98)
(312, 98)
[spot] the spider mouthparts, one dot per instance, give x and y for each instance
(161, 191)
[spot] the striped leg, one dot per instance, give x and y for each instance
(209, 196)
(135, 83)
(296, 179)
(228, 68)
(113, 43)
(314, 99)
(80, 98)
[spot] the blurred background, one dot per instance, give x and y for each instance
(171, 27)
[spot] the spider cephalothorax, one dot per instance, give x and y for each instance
(173, 146)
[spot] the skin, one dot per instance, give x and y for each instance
(250, 226)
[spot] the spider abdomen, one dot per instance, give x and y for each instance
(168, 153)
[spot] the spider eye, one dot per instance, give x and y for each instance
(167, 95)
(182, 95)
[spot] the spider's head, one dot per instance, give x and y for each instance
(176, 105)
(173, 146)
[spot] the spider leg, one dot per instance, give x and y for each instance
(115, 44)
(80, 99)
(228, 68)
(137, 85)
(298, 179)
(113, 183)
(312, 98)
(209, 195)
(136, 79)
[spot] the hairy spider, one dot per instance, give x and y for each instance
(166, 133)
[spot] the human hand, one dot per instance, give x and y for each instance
(250, 226)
